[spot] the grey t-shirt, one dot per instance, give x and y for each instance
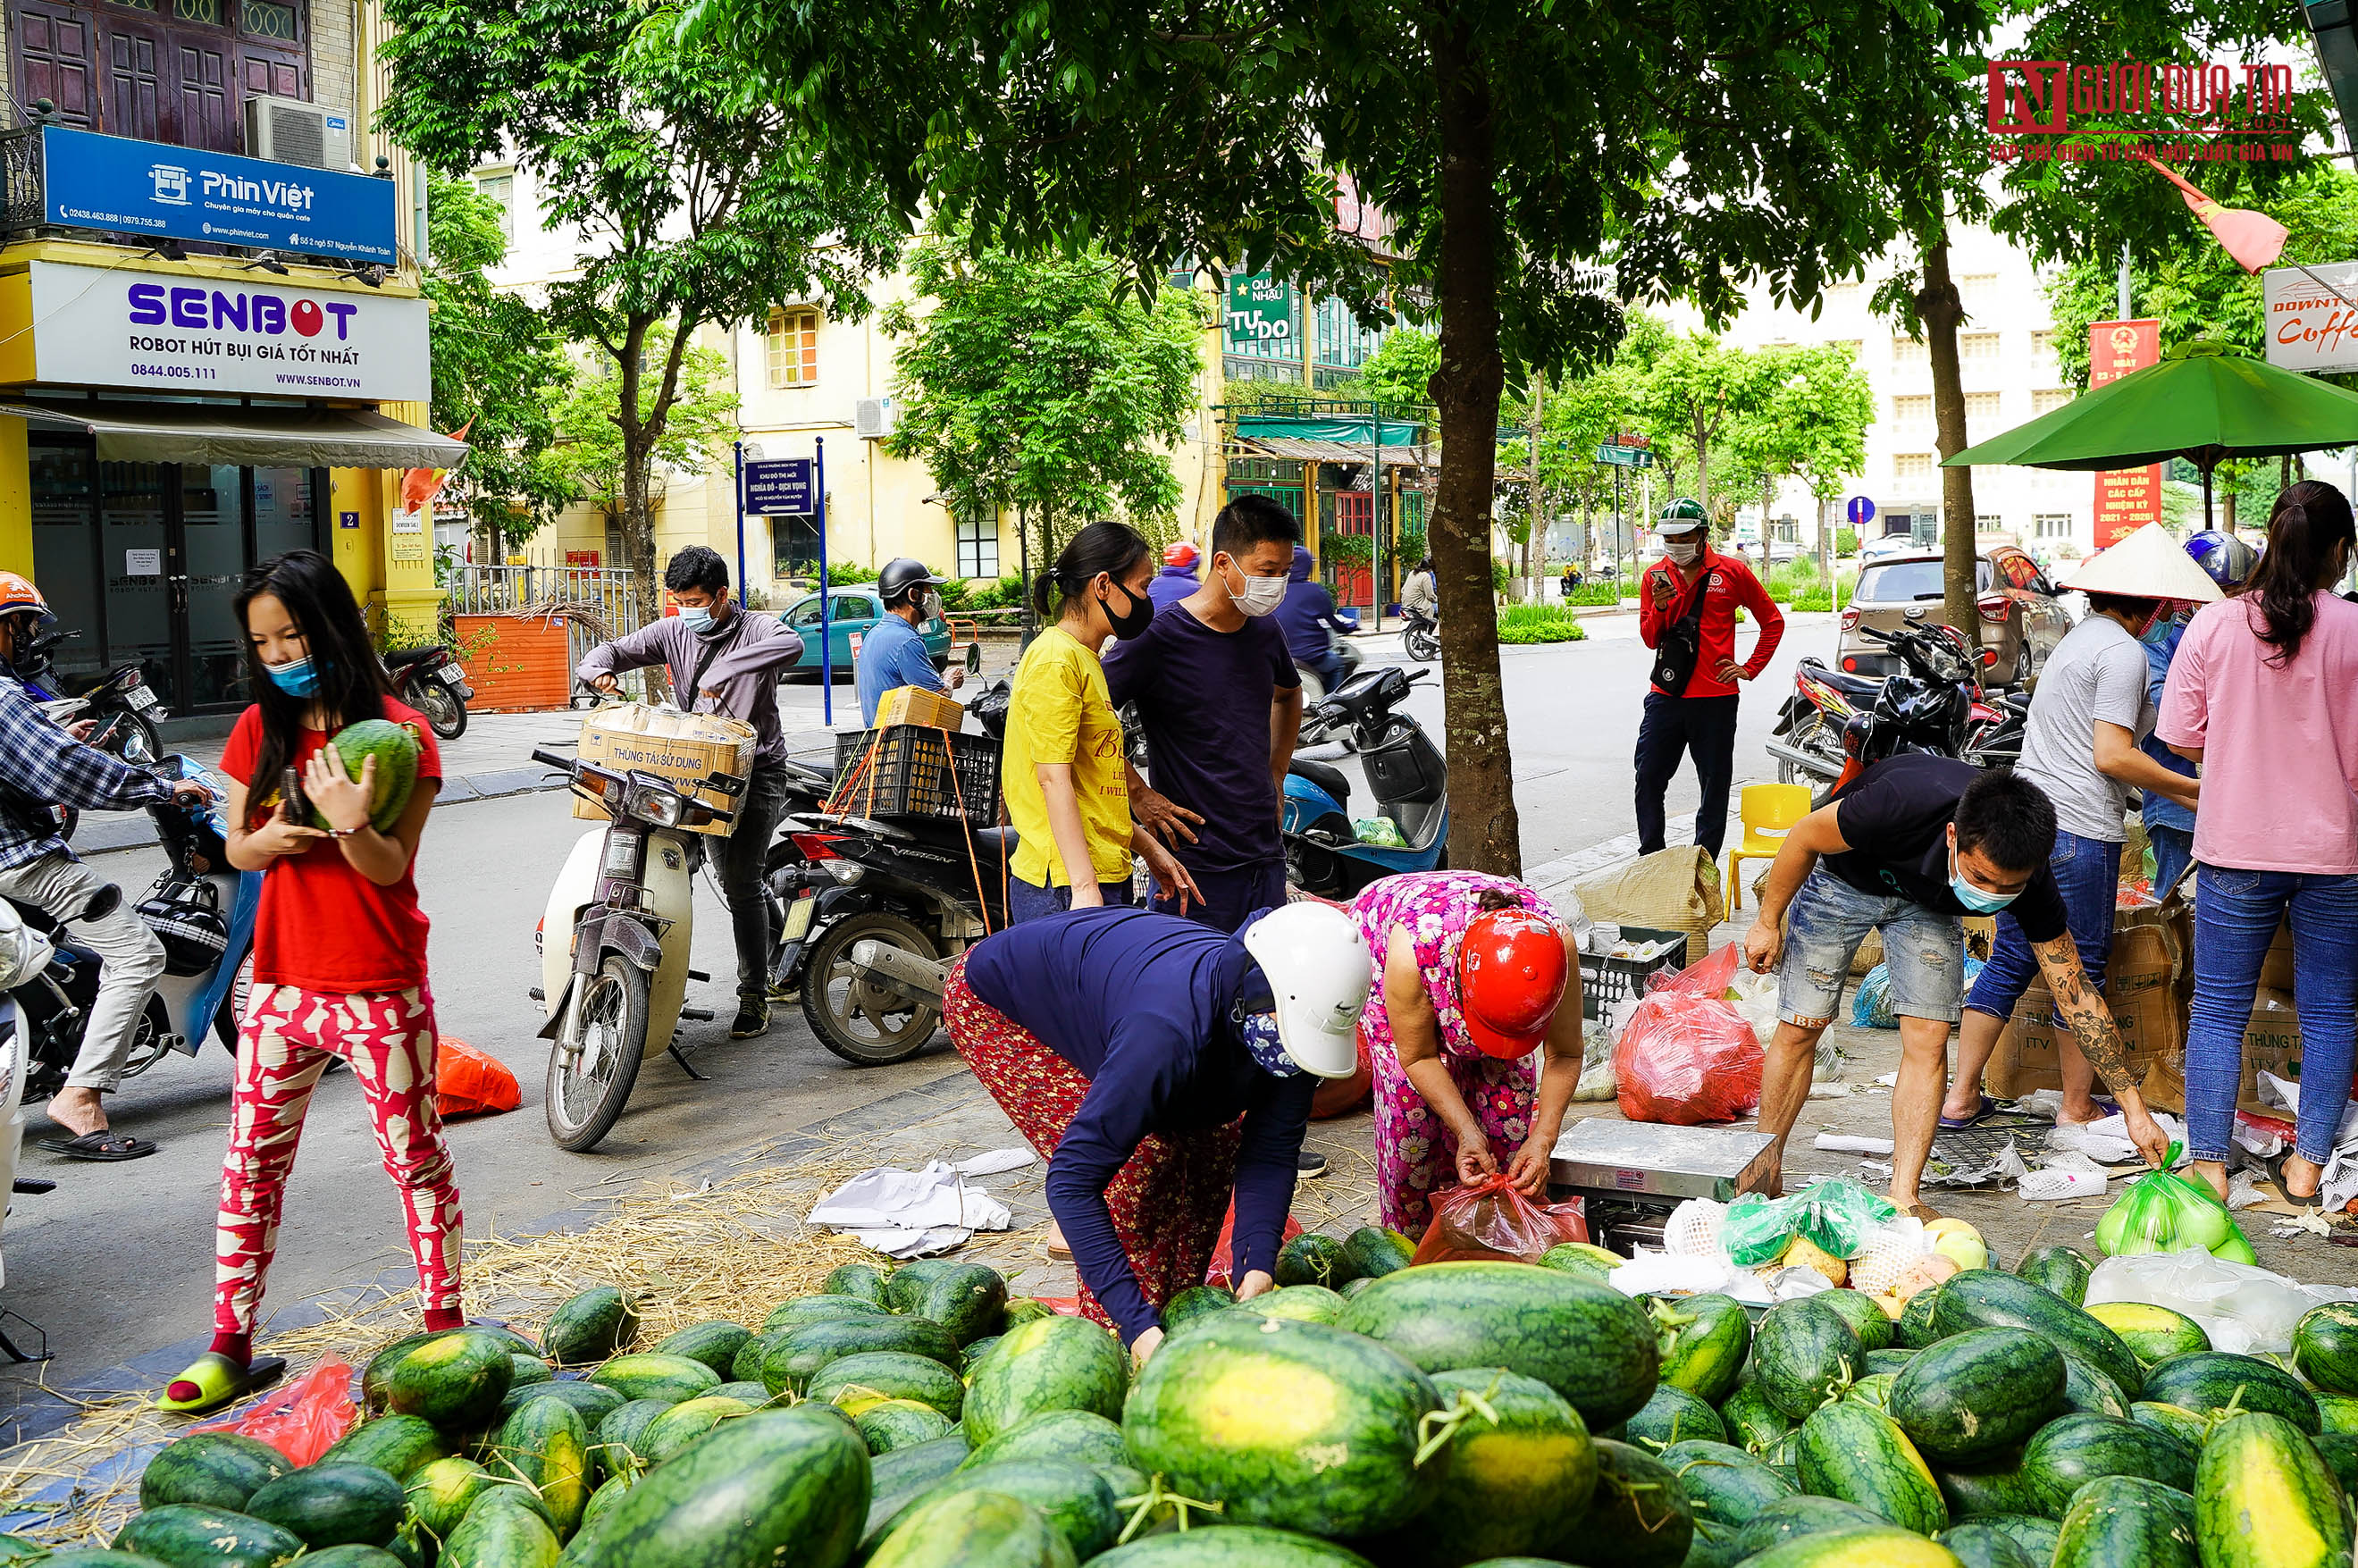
(2097, 672)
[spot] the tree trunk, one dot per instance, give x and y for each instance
(1941, 309)
(1484, 833)
(1702, 467)
(1532, 533)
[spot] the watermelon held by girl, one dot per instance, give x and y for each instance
(394, 747)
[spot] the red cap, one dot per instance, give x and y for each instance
(1182, 554)
(1511, 974)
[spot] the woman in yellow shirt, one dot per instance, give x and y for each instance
(1063, 768)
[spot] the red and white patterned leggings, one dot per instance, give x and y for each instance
(288, 1035)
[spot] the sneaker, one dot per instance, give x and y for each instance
(1311, 1166)
(785, 996)
(753, 1018)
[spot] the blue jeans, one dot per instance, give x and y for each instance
(2087, 872)
(1025, 901)
(1923, 948)
(2235, 917)
(2173, 851)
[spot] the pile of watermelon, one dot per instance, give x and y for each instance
(1368, 1412)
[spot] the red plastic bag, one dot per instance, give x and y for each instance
(468, 1082)
(1711, 978)
(1490, 1220)
(1687, 1057)
(1341, 1096)
(304, 1419)
(1217, 1274)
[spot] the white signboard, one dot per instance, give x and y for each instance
(143, 563)
(94, 327)
(2308, 328)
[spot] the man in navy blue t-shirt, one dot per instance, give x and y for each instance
(1221, 706)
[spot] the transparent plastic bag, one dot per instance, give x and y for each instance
(1757, 1230)
(1840, 1216)
(2244, 1309)
(1687, 1059)
(1595, 1062)
(304, 1419)
(1490, 1220)
(2159, 1212)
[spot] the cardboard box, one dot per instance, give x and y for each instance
(685, 748)
(2271, 1043)
(915, 705)
(2276, 969)
(2029, 1055)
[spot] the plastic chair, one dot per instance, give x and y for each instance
(1768, 812)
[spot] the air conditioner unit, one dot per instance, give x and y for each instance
(872, 419)
(288, 130)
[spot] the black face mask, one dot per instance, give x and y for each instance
(1134, 621)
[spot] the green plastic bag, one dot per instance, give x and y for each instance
(2160, 1212)
(1834, 1214)
(1757, 1230)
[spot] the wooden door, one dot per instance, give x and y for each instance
(208, 116)
(138, 102)
(54, 59)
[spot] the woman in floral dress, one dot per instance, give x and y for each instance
(1474, 975)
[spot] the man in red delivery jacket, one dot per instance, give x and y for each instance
(1686, 612)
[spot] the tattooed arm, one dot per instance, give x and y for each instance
(2099, 1038)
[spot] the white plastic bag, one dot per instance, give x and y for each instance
(2245, 1310)
(1754, 997)
(1693, 1229)
(1651, 1273)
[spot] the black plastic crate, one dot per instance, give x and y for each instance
(907, 771)
(1604, 980)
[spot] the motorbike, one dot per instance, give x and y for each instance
(613, 943)
(1420, 635)
(1833, 724)
(25, 954)
(1347, 655)
(125, 704)
(201, 908)
(1325, 852)
(432, 682)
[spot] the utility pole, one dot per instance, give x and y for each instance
(1539, 394)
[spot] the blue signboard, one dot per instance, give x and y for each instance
(89, 181)
(1861, 511)
(779, 488)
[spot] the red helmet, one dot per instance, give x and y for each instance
(17, 593)
(1511, 973)
(1181, 554)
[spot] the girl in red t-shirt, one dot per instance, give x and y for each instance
(339, 956)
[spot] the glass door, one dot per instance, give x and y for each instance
(213, 549)
(135, 564)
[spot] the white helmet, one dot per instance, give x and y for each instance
(1318, 967)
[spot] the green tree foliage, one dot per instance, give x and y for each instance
(492, 355)
(1695, 395)
(1039, 386)
(1808, 421)
(1399, 374)
(691, 202)
(1708, 152)
(589, 459)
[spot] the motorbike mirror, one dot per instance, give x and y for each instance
(726, 783)
(974, 658)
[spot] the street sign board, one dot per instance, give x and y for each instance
(1625, 457)
(94, 181)
(1259, 312)
(2312, 328)
(779, 487)
(1861, 511)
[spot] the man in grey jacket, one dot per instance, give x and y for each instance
(723, 659)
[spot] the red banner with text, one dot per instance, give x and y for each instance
(2126, 499)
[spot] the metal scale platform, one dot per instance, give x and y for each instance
(1632, 1175)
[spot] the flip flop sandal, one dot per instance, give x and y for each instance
(215, 1381)
(1983, 1111)
(2274, 1164)
(104, 1145)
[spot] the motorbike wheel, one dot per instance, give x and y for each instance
(1419, 643)
(1814, 735)
(136, 739)
(444, 711)
(587, 1091)
(859, 1020)
(147, 1046)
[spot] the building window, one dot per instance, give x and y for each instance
(2047, 399)
(977, 547)
(501, 188)
(1983, 412)
(2042, 342)
(1977, 346)
(264, 18)
(794, 348)
(1908, 351)
(1915, 409)
(1978, 286)
(2051, 526)
(1342, 342)
(206, 11)
(1988, 523)
(1908, 466)
(1842, 294)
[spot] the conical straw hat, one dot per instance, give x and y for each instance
(2148, 564)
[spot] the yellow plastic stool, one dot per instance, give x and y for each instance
(1768, 812)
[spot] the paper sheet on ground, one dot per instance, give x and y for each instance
(906, 1214)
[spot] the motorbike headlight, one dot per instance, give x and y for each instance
(661, 806)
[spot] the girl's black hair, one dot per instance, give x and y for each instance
(352, 679)
(2309, 519)
(1109, 547)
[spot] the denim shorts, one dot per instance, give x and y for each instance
(1925, 951)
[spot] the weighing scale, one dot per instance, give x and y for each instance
(1632, 1175)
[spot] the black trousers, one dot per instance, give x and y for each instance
(1704, 726)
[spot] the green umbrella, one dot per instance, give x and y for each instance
(2204, 402)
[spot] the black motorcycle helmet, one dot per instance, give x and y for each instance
(1921, 703)
(902, 577)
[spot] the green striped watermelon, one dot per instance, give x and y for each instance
(1051, 1363)
(1977, 1394)
(1997, 1488)
(894, 1374)
(1302, 1303)
(1193, 1303)
(332, 1505)
(1866, 1320)
(616, 1441)
(771, 1486)
(968, 1299)
(690, 1420)
(820, 1309)
(1301, 1425)
(454, 1379)
(714, 1344)
(2325, 1347)
(439, 1492)
(528, 1370)
(1237, 1546)
(900, 1480)
(1075, 1499)
(1916, 1327)
(899, 1423)
(751, 1393)
(2071, 1450)
(1514, 1485)
(1986, 1546)
(2036, 1536)
(1752, 1422)
(188, 1536)
(1310, 1258)
(798, 1355)
(594, 1400)
(1892, 1360)
(865, 1281)
(210, 1469)
(2264, 1498)
(1083, 1437)
(546, 1444)
(1582, 1257)
(1639, 1515)
(2121, 1520)
(1862, 1456)
(1985, 1298)
(973, 1530)
(1790, 1519)
(2214, 1381)
(1725, 1482)
(2088, 1390)
(2174, 1421)
(591, 1326)
(1673, 1415)
(2341, 1456)
(503, 1529)
(2152, 1333)
(647, 1375)
(1873, 1392)
(1372, 1253)
(2063, 1270)
(1702, 1342)
(347, 1556)
(2336, 1413)
(1803, 1354)
(1586, 1341)
(1884, 1548)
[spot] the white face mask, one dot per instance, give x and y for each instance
(1683, 551)
(1259, 595)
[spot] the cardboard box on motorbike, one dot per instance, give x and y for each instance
(684, 748)
(2152, 951)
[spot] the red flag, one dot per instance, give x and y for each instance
(2254, 239)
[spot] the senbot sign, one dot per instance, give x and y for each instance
(93, 327)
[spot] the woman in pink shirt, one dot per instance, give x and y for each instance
(2259, 694)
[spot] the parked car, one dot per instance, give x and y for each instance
(2021, 620)
(1887, 546)
(851, 611)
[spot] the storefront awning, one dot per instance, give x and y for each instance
(1299, 449)
(246, 437)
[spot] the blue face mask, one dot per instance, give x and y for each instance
(697, 620)
(2161, 631)
(1259, 1032)
(1972, 897)
(300, 678)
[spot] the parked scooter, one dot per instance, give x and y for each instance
(25, 952)
(125, 704)
(1833, 725)
(614, 942)
(431, 681)
(1325, 852)
(203, 911)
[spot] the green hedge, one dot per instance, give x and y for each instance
(1523, 624)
